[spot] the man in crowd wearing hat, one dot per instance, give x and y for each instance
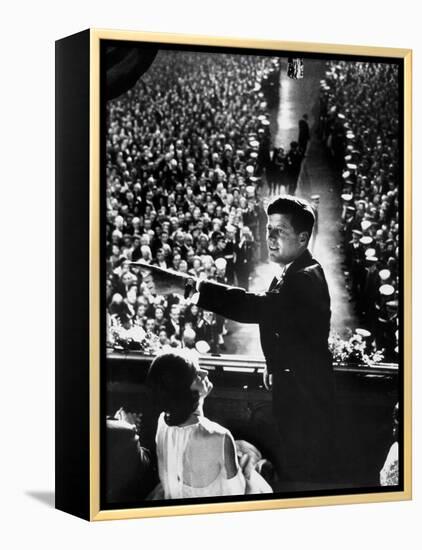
(294, 322)
(355, 257)
(244, 258)
(229, 252)
(304, 134)
(370, 290)
(361, 274)
(276, 170)
(386, 308)
(293, 164)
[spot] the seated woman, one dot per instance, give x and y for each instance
(196, 457)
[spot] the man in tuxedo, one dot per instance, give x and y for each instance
(294, 322)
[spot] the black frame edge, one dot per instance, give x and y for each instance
(72, 95)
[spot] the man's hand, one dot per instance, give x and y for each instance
(247, 465)
(162, 281)
(248, 457)
(267, 379)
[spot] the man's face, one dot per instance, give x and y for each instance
(176, 260)
(174, 313)
(159, 314)
(131, 296)
(284, 244)
(150, 325)
(141, 310)
(126, 278)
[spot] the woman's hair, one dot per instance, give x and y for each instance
(171, 375)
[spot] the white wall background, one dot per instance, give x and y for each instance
(27, 37)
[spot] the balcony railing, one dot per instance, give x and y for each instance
(250, 364)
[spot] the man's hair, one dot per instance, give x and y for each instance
(300, 212)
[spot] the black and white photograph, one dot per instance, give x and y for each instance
(211, 300)
(252, 215)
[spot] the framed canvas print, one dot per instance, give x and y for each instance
(233, 277)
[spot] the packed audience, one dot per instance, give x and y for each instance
(186, 150)
(361, 128)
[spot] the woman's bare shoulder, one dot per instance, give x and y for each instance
(212, 429)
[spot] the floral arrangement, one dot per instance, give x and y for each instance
(133, 338)
(358, 349)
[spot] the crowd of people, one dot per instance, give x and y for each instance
(186, 151)
(360, 126)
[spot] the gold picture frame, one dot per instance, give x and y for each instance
(91, 508)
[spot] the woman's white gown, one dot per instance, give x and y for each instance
(178, 447)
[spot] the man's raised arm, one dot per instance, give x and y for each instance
(164, 281)
(231, 302)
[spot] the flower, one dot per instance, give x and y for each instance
(356, 349)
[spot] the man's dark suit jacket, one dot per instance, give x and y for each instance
(294, 323)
